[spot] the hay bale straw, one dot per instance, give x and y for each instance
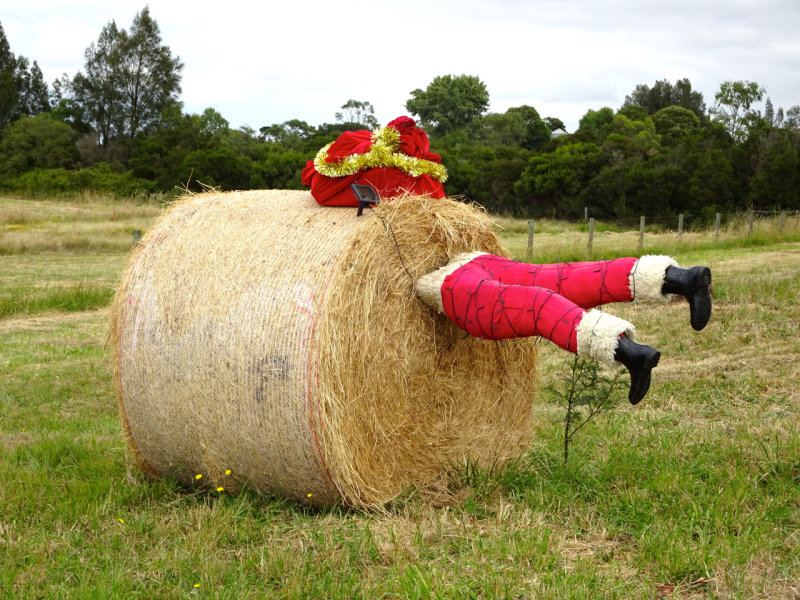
(262, 333)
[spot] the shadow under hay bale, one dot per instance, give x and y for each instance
(261, 333)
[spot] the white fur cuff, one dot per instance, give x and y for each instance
(647, 277)
(429, 287)
(598, 336)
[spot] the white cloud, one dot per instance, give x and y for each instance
(269, 62)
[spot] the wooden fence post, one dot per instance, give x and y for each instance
(781, 221)
(641, 233)
(680, 226)
(716, 225)
(585, 213)
(591, 234)
(530, 239)
(749, 222)
(137, 235)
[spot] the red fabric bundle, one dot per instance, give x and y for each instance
(388, 181)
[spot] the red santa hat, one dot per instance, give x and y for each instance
(395, 160)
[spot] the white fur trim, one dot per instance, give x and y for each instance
(598, 336)
(647, 277)
(429, 287)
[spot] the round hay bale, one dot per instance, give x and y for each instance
(261, 333)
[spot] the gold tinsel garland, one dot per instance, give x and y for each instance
(385, 141)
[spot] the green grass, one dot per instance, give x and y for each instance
(27, 300)
(693, 494)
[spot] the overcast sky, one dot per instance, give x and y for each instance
(260, 63)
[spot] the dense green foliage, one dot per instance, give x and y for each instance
(118, 126)
(663, 94)
(449, 103)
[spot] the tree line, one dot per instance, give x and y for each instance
(118, 126)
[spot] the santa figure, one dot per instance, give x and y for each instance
(496, 298)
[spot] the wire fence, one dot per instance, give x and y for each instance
(714, 224)
(668, 222)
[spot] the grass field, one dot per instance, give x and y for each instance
(695, 493)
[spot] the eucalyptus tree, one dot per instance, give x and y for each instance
(734, 107)
(8, 92)
(34, 94)
(23, 90)
(357, 111)
(129, 79)
(449, 103)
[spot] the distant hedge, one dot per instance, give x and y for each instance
(101, 177)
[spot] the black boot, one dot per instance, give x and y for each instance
(639, 360)
(693, 284)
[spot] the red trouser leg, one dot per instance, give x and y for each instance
(587, 284)
(486, 308)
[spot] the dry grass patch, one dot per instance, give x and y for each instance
(33, 226)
